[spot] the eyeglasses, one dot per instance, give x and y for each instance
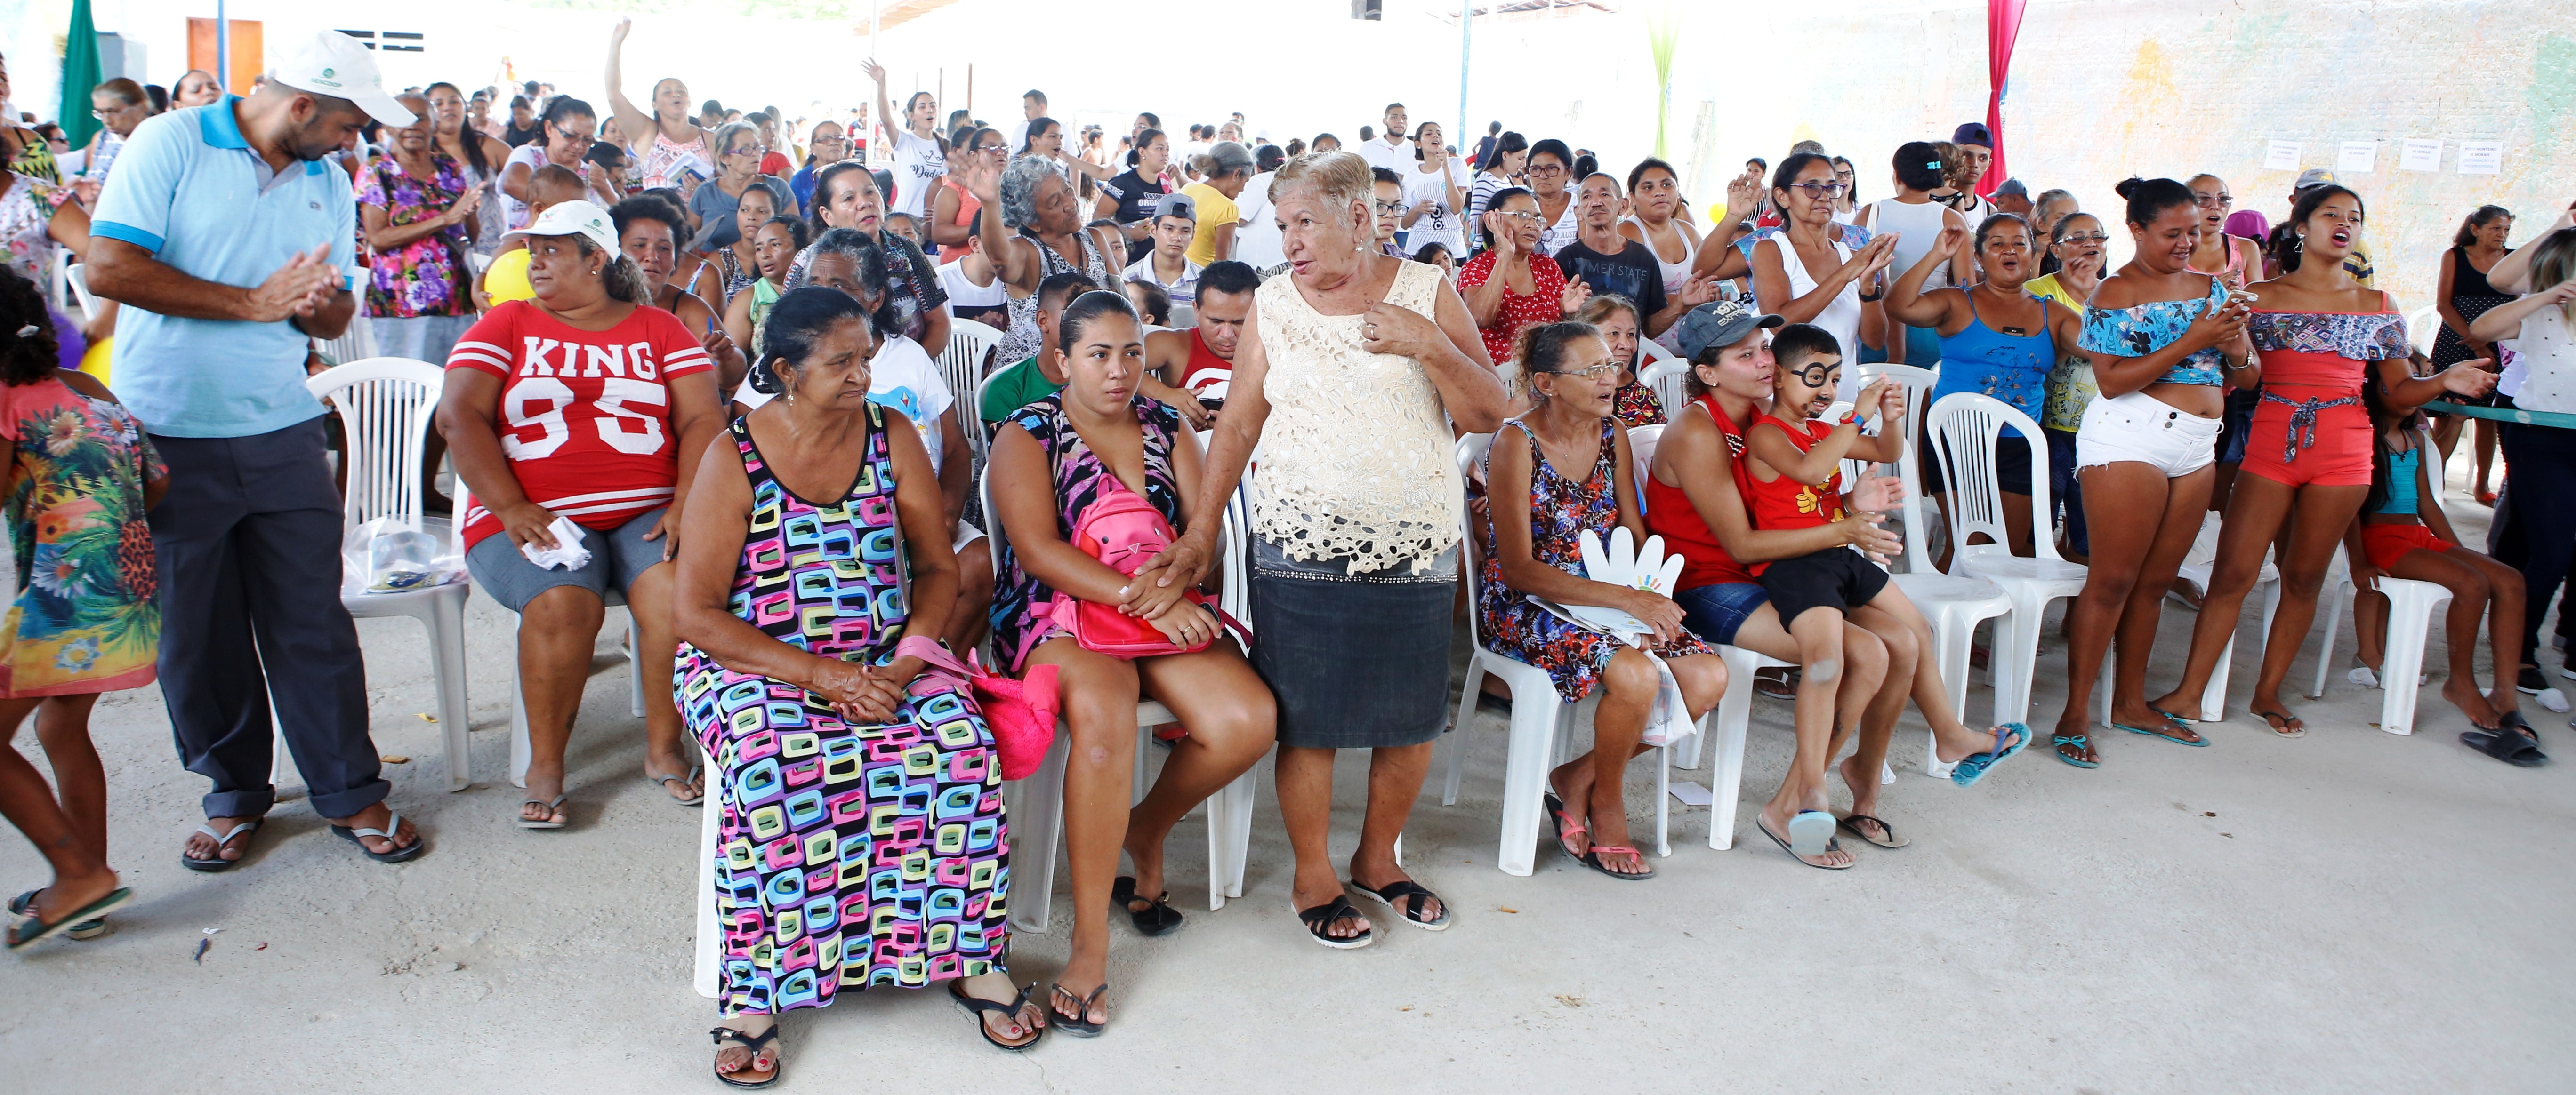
(1596, 372)
(2087, 237)
(1522, 215)
(2219, 200)
(1820, 190)
(992, 148)
(1388, 208)
(1550, 170)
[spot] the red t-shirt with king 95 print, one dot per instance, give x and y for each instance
(585, 416)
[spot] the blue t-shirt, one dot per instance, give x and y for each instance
(236, 224)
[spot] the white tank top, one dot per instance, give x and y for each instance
(1840, 318)
(1675, 273)
(1917, 227)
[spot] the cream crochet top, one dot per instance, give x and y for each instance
(1356, 455)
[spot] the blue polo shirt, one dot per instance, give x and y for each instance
(189, 189)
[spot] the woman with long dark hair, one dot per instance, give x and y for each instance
(671, 143)
(2463, 295)
(2308, 448)
(1497, 170)
(479, 155)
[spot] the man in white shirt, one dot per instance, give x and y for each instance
(1175, 221)
(1390, 150)
(1033, 106)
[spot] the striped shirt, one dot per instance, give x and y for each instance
(585, 416)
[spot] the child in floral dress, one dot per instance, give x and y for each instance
(86, 618)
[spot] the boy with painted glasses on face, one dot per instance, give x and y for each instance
(1796, 483)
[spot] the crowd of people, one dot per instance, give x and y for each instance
(691, 364)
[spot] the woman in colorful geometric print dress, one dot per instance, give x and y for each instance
(86, 618)
(1532, 549)
(862, 839)
(1053, 461)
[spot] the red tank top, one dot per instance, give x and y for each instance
(1784, 503)
(1669, 514)
(1205, 368)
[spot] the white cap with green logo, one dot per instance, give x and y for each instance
(334, 64)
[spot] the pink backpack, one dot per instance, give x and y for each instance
(1125, 531)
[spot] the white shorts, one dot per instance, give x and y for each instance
(2142, 428)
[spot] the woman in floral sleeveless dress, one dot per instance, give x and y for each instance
(862, 839)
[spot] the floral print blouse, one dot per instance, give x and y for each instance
(426, 277)
(26, 212)
(87, 615)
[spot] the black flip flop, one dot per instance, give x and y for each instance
(1830, 846)
(980, 1007)
(1156, 918)
(1080, 1025)
(755, 1043)
(2505, 745)
(1406, 900)
(1319, 922)
(1592, 859)
(219, 863)
(1851, 823)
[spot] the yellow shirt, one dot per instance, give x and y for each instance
(1215, 211)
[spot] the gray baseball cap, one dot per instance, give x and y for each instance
(1718, 323)
(1177, 205)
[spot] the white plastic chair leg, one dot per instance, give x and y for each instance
(1535, 717)
(710, 930)
(2334, 624)
(2410, 618)
(1037, 815)
(2018, 632)
(455, 715)
(1726, 778)
(1951, 647)
(1459, 725)
(2213, 698)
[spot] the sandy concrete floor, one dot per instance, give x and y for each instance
(2353, 911)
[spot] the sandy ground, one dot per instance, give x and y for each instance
(2353, 911)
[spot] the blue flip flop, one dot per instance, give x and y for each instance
(2076, 740)
(1974, 766)
(2173, 722)
(1810, 833)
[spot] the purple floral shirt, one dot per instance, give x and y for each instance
(427, 276)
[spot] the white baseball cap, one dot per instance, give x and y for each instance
(334, 64)
(573, 218)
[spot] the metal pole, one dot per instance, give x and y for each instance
(1466, 39)
(223, 48)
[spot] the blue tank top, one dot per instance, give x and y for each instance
(2011, 368)
(2401, 483)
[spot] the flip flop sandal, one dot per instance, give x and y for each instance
(1782, 687)
(31, 931)
(1080, 1026)
(219, 863)
(1414, 898)
(2174, 724)
(2506, 746)
(1156, 918)
(2171, 717)
(755, 1043)
(980, 1008)
(1592, 859)
(1319, 921)
(665, 783)
(21, 906)
(1887, 837)
(2285, 730)
(1831, 845)
(1974, 766)
(2078, 741)
(1558, 816)
(1810, 831)
(551, 809)
(393, 824)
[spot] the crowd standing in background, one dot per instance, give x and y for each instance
(828, 402)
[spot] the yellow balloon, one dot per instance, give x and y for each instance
(94, 360)
(507, 280)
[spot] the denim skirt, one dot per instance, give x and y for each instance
(1356, 661)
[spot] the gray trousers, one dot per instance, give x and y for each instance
(248, 547)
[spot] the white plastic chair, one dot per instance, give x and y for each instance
(385, 405)
(1666, 376)
(2422, 326)
(358, 343)
(964, 363)
(1542, 723)
(521, 750)
(1954, 603)
(2411, 605)
(1965, 429)
(76, 278)
(1035, 806)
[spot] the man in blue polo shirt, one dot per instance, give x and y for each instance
(227, 232)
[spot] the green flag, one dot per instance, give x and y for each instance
(80, 75)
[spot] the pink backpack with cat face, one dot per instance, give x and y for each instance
(1122, 529)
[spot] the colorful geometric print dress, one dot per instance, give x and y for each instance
(1560, 509)
(857, 855)
(87, 617)
(1079, 475)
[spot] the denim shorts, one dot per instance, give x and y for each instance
(617, 558)
(1714, 612)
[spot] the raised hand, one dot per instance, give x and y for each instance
(617, 34)
(1877, 493)
(294, 288)
(1577, 291)
(1499, 229)
(1743, 195)
(1950, 240)
(1873, 399)
(875, 71)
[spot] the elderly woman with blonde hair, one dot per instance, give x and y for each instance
(1350, 372)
